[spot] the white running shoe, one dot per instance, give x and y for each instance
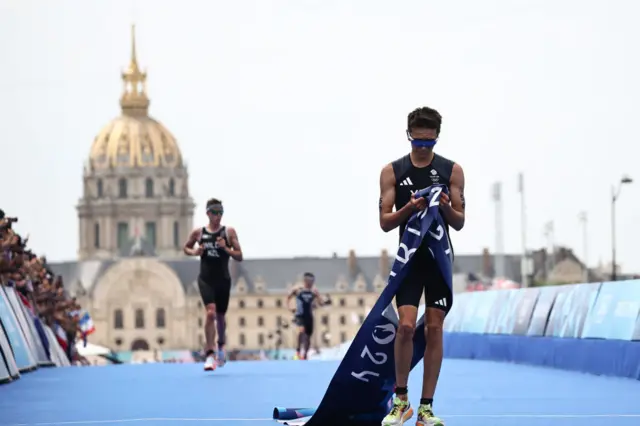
(210, 363)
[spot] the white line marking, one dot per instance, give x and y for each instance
(169, 419)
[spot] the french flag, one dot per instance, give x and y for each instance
(86, 326)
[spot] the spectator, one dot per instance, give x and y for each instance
(38, 286)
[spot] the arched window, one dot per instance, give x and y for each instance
(100, 188)
(172, 187)
(122, 188)
(148, 188)
(260, 322)
(176, 234)
(118, 319)
(241, 339)
(160, 318)
(260, 339)
(139, 318)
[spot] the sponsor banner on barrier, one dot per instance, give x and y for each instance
(516, 312)
(475, 320)
(498, 310)
(455, 317)
(615, 312)
(7, 353)
(636, 334)
(556, 315)
(24, 321)
(546, 298)
(14, 334)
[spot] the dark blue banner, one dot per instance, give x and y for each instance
(361, 389)
(541, 312)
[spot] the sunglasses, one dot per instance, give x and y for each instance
(216, 212)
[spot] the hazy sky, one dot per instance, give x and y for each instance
(288, 110)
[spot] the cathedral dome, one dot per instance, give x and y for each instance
(134, 139)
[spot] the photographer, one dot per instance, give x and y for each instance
(37, 286)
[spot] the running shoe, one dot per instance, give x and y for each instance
(426, 417)
(400, 413)
(222, 358)
(210, 362)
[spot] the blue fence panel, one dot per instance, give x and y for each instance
(615, 313)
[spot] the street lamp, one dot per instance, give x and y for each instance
(615, 193)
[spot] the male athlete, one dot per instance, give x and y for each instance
(398, 182)
(216, 244)
(305, 298)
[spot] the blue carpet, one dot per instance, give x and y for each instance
(244, 393)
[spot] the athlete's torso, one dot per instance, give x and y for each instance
(214, 260)
(304, 301)
(410, 179)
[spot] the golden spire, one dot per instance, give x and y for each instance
(134, 100)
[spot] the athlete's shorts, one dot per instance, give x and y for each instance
(424, 275)
(216, 291)
(305, 321)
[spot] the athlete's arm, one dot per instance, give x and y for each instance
(188, 248)
(454, 212)
(318, 297)
(390, 220)
(290, 296)
(235, 251)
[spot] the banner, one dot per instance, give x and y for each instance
(557, 314)
(23, 322)
(546, 298)
(475, 321)
(17, 340)
(499, 310)
(59, 357)
(455, 318)
(7, 354)
(516, 312)
(615, 312)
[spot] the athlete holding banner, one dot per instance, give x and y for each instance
(399, 181)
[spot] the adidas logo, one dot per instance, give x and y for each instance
(406, 182)
(442, 302)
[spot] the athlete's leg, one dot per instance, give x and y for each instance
(407, 300)
(223, 294)
(438, 302)
(207, 293)
(301, 335)
(308, 332)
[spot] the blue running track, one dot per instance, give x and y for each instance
(471, 393)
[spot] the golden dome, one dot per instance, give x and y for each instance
(134, 139)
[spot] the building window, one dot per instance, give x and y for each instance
(241, 339)
(160, 318)
(343, 320)
(199, 304)
(278, 303)
(100, 188)
(118, 319)
(260, 339)
(96, 235)
(139, 318)
(172, 187)
(343, 302)
(361, 319)
(200, 339)
(122, 188)
(241, 304)
(260, 303)
(260, 322)
(176, 234)
(150, 233)
(325, 320)
(123, 234)
(361, 302)
(278, 321)
(148, 188)
(343, 337)
(241, 321)
(200, 322)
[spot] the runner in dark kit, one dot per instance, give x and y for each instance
(305, 297)
(216, 244)
(398, 182)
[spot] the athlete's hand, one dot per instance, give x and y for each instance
(444, 199)
(198, 251)
(221, 242)
(418, 203)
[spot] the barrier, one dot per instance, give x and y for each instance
(25, 342)
(592, 328)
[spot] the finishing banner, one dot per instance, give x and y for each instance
(361, 389)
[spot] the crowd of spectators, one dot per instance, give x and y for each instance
(38, 286)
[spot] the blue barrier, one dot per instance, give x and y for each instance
(25, 342)
(615, 314)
